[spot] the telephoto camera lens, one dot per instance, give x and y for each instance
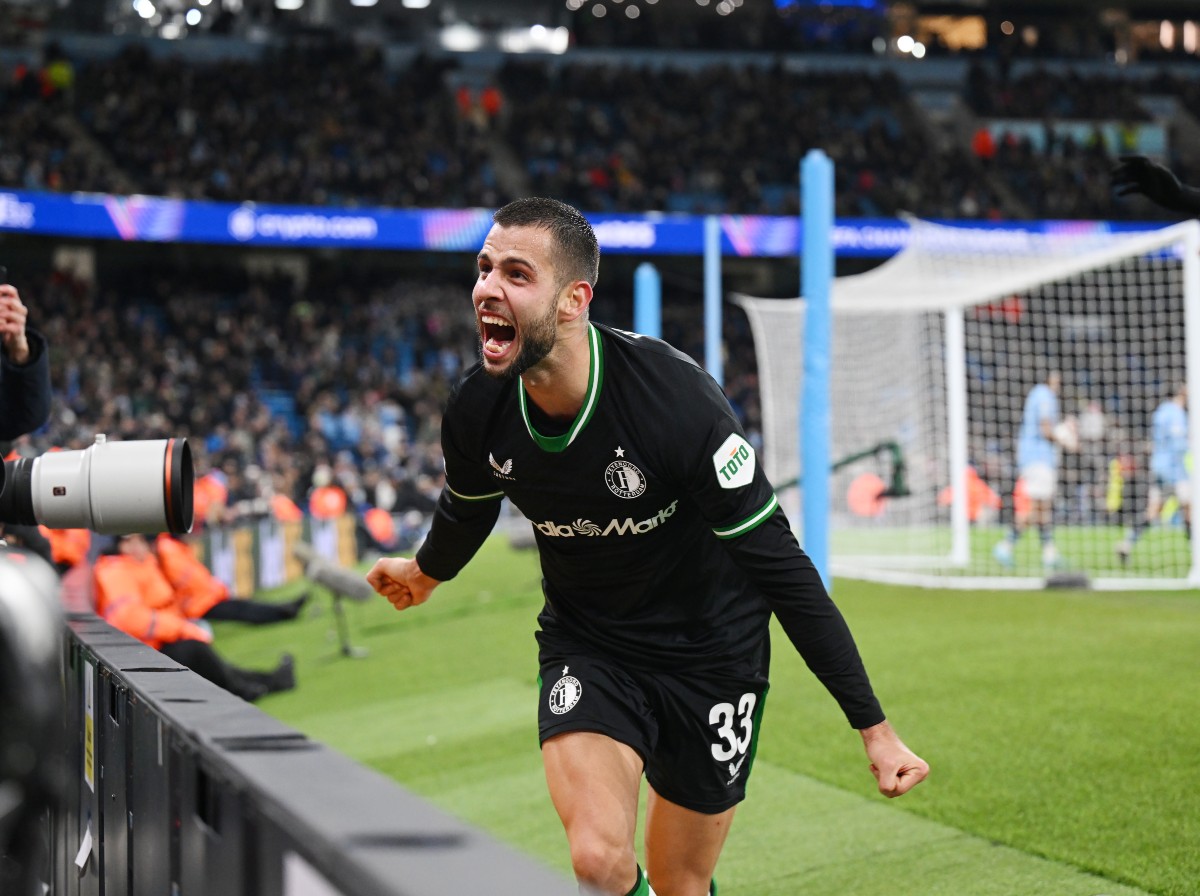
(111, 487)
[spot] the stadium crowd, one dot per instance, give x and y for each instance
(332, 122)
(277, 391)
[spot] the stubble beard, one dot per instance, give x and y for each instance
(537, 341)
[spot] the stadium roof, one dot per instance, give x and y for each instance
(417, 19)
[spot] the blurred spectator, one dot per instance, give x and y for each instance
(201, 595)
(132, 594)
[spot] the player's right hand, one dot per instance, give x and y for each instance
(401, 581)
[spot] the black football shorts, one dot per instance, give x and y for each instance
(696, 731)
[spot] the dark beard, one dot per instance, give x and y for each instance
(537, 341)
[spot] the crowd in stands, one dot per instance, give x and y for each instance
(333, 123)
(276, 386)
(608, 137)
(312, 125)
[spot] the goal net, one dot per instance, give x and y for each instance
(934, 355)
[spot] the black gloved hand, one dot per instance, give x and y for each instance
(1137, 174)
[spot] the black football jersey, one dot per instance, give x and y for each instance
(662, 543)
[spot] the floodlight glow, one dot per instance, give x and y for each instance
(1166, 35)
(415, 4)
(632, 12)
(904, 43)
(515, 40)
(363, 2)
(535, 39)
(193, 17)
(144, 8)
(289, 5)
(461, 38)
(918, 50)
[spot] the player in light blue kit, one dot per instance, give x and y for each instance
(1168, 468)
(1038, 441)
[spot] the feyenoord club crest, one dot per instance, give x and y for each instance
(624, 479)
(565, 693)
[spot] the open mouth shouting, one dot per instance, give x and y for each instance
(497, 336)
(506, 355)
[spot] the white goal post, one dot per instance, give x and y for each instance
(934, 353)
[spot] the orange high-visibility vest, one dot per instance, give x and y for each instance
(327, 502)
(285, 509)
(380, 524)
(136, 598)
(197, 590)
(208, 493)
(68, 546)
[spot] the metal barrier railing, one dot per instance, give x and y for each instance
(178, 787)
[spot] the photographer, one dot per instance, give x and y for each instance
(27, 709)
(24, 368)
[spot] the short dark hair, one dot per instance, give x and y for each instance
(578, 252)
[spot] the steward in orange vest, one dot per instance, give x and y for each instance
(197, 590)
(201, 595)
(132, 594)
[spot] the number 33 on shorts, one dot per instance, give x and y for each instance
(735, 730)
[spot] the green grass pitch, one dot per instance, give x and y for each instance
(1062, 729)
(1162, 553)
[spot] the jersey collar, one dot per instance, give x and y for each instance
(556, 444)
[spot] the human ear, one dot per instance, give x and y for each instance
(575, 299)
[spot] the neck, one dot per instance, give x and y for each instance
(558, 385)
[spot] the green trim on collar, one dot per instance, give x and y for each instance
(555, 444)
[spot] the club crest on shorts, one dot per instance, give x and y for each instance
(565, 693)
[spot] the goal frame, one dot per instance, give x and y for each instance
(897, 285)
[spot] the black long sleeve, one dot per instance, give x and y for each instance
(458, 530)
(793, 588)
(25, 390)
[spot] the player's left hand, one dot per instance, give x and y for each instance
(896, 768)
(1136, 174)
